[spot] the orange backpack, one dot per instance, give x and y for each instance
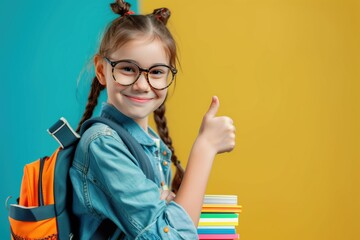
(44, 209)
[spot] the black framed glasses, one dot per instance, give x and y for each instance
(127, 72)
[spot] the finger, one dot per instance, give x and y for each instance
(163, 194)
(170, 197)
(214, 106)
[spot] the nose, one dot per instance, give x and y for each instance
(142, 83)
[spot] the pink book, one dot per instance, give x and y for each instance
(219, 236)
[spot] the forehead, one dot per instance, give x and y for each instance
(145, 51)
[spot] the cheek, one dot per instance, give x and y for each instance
(108, 77)
(161, 94)
(113, 89)
(115, 86)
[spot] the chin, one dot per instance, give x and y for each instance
(137, 115)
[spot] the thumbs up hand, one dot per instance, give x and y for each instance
(217, 132)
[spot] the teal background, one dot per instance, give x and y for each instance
(45, 57)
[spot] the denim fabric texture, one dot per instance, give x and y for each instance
(107, 184)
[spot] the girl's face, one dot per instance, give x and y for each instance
(138, 100)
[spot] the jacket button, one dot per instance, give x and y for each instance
(164, 153)
(165, 163)
(166, 229)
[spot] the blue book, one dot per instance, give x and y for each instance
(216, 230)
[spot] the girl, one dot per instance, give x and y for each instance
(136, 64)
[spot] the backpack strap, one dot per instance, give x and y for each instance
(63, 133)
(134, 146)
(40, 184)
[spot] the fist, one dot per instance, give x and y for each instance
(167, 195)
(218, 132)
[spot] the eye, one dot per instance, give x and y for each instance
(158, 71)
(126, 68)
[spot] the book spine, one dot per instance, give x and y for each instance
(218, 223)
(219, 215)
(219, 236)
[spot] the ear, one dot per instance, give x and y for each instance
(100, 69)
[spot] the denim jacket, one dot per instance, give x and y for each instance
(108, 185)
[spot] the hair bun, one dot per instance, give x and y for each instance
(162, 14)
(120, 7)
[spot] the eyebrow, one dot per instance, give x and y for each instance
(132, 60)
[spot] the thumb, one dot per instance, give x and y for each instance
(214, 106)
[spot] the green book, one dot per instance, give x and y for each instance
(219, 215)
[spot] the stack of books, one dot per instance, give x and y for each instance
(219, 217)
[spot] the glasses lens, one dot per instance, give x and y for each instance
(126, 73)
(160, 76)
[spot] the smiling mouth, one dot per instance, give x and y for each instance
(138, 99)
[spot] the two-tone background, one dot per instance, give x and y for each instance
(286, 71)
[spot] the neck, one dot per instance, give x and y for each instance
(143, 123)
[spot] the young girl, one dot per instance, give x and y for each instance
(136, 63)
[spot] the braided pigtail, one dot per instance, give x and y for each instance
(161, 124)
(94, 94)
(163, 15)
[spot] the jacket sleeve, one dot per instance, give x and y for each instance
(121, 192)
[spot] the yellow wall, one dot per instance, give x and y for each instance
(287, 72)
